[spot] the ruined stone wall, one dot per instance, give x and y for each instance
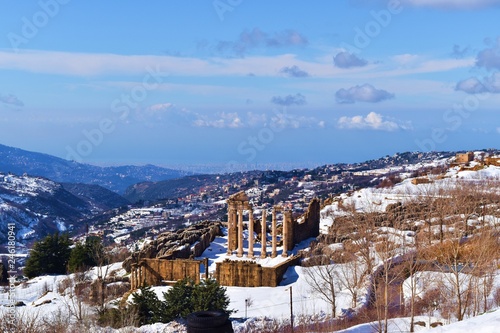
(238, 273)
(204, 241)
(180, 244)
(309, 226)
(250, 274)
(280, 270)
(155, 272)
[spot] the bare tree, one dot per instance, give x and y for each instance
(413, 259)
(486, 250)
(25, 322)
(102, 257)
(457, 265)
(351, 274)
(384, 281)
(76, 295)
(321, 277)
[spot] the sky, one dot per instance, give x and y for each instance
(244, 84)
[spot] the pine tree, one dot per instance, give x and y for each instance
(49, 256)
(182, 299)
(84, 256)
(149, 308)
(209, 295)
(179, 299)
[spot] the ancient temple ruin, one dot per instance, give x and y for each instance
(250, 273)
(237, 205)
(243, 265)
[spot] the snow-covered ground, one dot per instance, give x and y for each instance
(42, 299)
(257, 304)
(486, 323)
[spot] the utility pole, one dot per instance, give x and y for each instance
(291, 309)
(246, 305)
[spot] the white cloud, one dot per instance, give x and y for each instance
(345, 59)
(96, 64)
(223, 120)
(372, 121)
(164, 113)
(364, 93)
(11, 99)
(100, 64)
(431, 66)
(489, 58)
(473, 85)
(452, 4)
(255, 120)
(257, 38)
(406, 59)
(295, 122)
(293, 71)
(160, 107)
(289, 100)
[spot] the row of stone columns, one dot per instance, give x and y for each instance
(237, 213)
(137, 276)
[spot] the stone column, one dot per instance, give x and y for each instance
(250, 232)
(273, 231)
(137, 276)
(132, 277)
(140, 280)
(290, 236)
(284, 236)
(240, 232)
(263, 237)
(231, 224)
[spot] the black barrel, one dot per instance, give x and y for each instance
(209, 322)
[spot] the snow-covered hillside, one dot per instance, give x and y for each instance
(37, 206)
(261, 309)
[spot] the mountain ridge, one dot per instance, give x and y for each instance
(115, 178)
(173, 188)
(37, 206)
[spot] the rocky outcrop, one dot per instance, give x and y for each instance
(181, 244)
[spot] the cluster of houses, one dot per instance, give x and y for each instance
(465, 161)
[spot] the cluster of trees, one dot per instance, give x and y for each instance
(55, 254)
(183, 298)
(450, 232)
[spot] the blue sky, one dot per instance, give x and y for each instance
(254, 83)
